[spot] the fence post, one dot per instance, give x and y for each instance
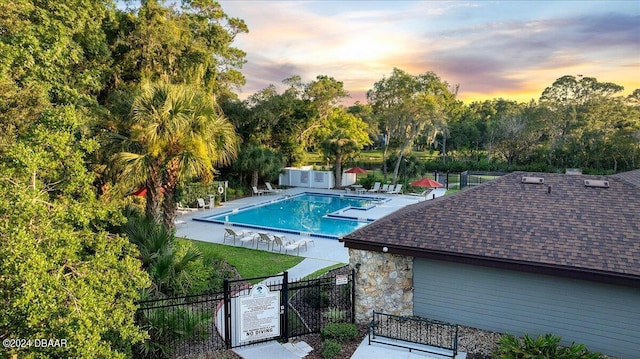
(285, 311)
(353, 295)
(227, 315)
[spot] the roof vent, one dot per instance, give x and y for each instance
(595, 183)
(535, 180)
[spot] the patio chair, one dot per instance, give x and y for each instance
(264, 238)
(375, 188)
(396, 190)
(185, 209)
(270, 189)
(202, 204)
(230, 233)
(257, 192)
(287, 245)
(421, 194)
(385, 188)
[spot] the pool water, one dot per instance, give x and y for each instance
(306, 214)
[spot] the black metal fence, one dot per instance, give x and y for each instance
(179, 326)
(198, 325)
(414, 330)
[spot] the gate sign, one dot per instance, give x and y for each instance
(259, 314)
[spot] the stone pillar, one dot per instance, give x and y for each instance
(384, 283)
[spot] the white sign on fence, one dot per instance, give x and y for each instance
(259, 314)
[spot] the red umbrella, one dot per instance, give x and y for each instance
(427, 183)
(143, 192)
(356, 170)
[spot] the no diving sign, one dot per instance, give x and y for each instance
(259, 314)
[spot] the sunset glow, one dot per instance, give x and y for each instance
(492, 49)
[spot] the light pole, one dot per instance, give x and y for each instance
(405, 173)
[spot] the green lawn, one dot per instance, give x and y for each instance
(249, 262)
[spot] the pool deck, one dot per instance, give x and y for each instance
(324, 251)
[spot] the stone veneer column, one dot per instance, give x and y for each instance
(384, 283)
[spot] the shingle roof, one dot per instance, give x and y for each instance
(572, 226)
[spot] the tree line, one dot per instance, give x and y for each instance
(97, 102)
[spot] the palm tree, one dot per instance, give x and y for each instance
(177, 134)
(259, 161)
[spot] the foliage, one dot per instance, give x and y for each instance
(543, 347)
(409, 106)
(62, 275)
(343, 136)
(330, 348)
(335, 315)
(175, 134)
(259, 161)
(170, 324)
(317, 298)
(176, 267)
(341, 332)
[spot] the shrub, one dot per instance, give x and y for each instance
(335, 315)
(317, 299)
(330, 348)
(511, 347)
(340, 332)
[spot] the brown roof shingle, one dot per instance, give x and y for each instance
(561, 223)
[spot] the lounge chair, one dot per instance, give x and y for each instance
(385, 188)
(184, 210)
(270, 189)
(202, 204)
(230, 233)
(396, 190)
(375, 188)
(257, 192)
(421, 194)
(287, 245)
(264, 238)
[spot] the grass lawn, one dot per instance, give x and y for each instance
(249, 262)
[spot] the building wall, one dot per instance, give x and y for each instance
(603, 317)
(383, 282)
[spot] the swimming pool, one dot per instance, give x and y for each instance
(313, 214)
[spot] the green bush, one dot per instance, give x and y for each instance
(317, 299)
(341, 332)
(330, 348)
(543, 347)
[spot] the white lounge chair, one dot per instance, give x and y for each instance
(375, 188)
(385, 188)
(202, 203)
(396, 190)
(257, 192)
(232, 234)
(287, 245)
(421, 194)
(264, 238)
(270, 189)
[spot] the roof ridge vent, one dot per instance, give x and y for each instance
(596, 183)
(533, 180)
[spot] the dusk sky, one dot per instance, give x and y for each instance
(492, 49)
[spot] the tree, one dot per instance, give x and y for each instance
(408, 105)
(62, 275)
(259, 161)
(190, 43)
(176, 134)
(344, 136)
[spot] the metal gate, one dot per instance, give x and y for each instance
(306, 305)
(203, 324)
